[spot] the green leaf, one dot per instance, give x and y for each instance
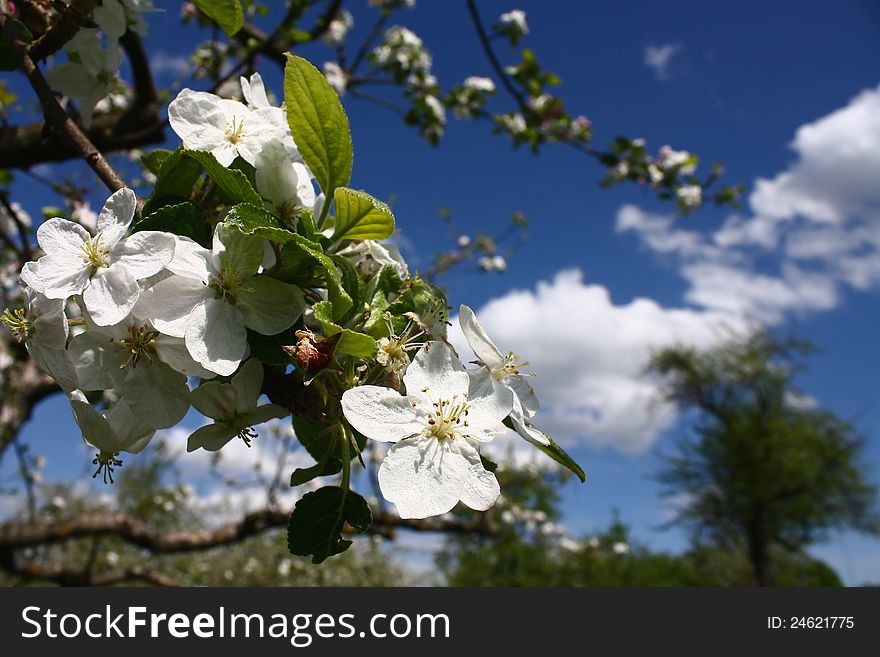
(154, 160)
(318, 124)
(359, 216)
(329, 465)
(351, 342)
(299, 246)
(254, 220)
(184, 219)
(353, 285)
(553, 450)
(232, 182)
(268, 348)
(174, 183)
(317, 521)
(226, 13)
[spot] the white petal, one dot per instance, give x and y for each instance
(97, 361)
(173, 352)
(264, 413)
(111, 295)
(95, 429)
(437, 368)
(211, 437)
(481, 488)
(62, 237)
(524, 394)
(380, 413)
(483, 347)
(214, 400)
(423, 477)
(131, 432)
(191, 260)
(60, 276)
(305, 190)
(110, 17)
(144, 253)
(168, 303)
(192, 111)
(156, 394)
(29, 274)
(216, 337)
(247, 383)
(490, 402)
(244, 252)
(268, 305)
(254, 91)
(116, 215)
(530, 433)
(57, 364)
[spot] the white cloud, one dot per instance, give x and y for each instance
(660, 59)
(818, 221)
(163, 62)
(590, 353)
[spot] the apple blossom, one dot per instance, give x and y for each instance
(286, 184)
(435, 429)
(105, 268)
(214, 295)
(234, 407)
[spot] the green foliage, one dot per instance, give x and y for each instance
(760, 470)
(351, 342)
(318, 519)
(185, 219)
(359, 216)
(226, 13)
(318, 124)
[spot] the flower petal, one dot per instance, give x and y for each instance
(254, 91)
(144, 253)
(168, 303)
(483, 347)
(524, 394)
(423, 477)
(173, 352)
(214, 400)
(156, 394)
(60, 276)
(59, 236)
(380, 413)
(193, 111)
(191, 260)
(530, 433)
(247, 383)
(481, 488)
(437, 368)
(264, 413)
(270, 306)
(244, 252)
(211, 437)
(97, 361)
(216, 337)
(111, 295)
(57, 364)
(116, 215)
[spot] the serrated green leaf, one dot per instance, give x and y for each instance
(253, 220)
(175, 181)
(353, 284)
(318, 124)
(226, 13)
(184, 219)
(154, 160)
(232, 182)
(316, 524)
(340, 299)
(359, 216)
(352, 343)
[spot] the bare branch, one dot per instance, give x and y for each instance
(26, 385)
(70, 577)
(138, 533)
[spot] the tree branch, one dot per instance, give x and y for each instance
(138, 533)
(70, 577)
(25, 386)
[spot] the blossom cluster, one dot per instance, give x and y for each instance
(91, 74)
(218, 290)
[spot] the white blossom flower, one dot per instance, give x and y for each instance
(338, 28)
(515, 20)
(499, 373)
(620, 548)
(226, 128)
(117, 430)
(149, 368)
(42, 325)
(254, 92)
(464, 241)
(215, 295)
(435, 430)
(486, 85)
(105, 268)
(90, 78)
(114, 17)
(336, 77)
(234, 407)
(668, 158)
(690, 196)
(370, 256)
(286, 184)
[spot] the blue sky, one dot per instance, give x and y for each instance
(738, 85)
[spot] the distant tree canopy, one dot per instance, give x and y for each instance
(763, 468)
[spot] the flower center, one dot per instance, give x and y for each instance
(235, 132)
(226, 284)
(18, 323)
(510, 367)
(140, 343)
(94, 254)
(106, 462)
(247, 435)
(447, 417)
